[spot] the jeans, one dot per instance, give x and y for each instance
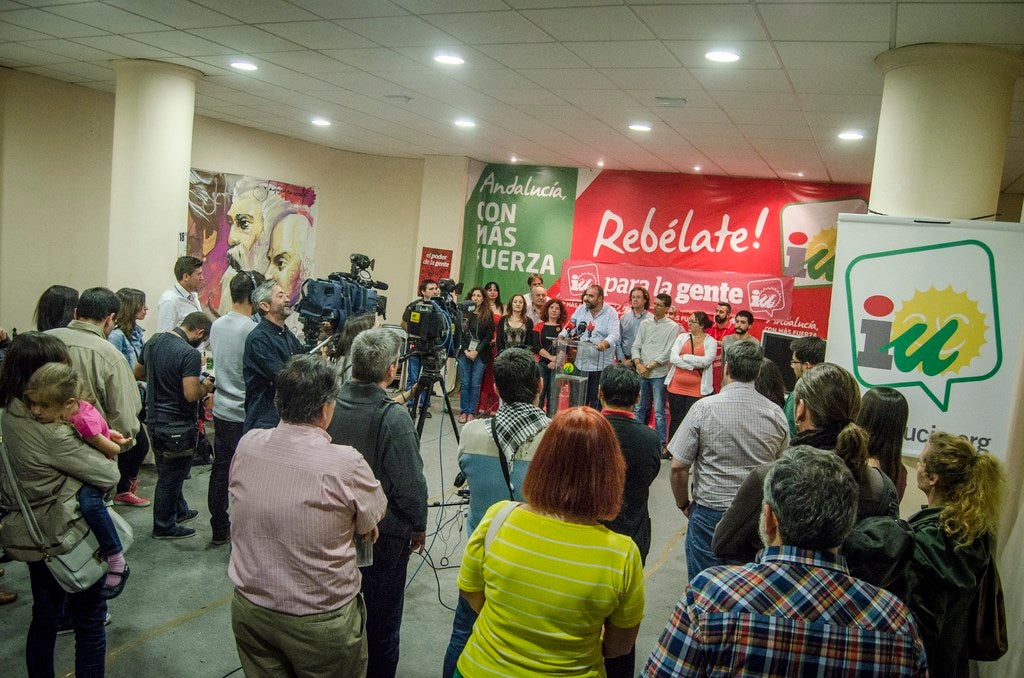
(678, 406)
(462, 628)
(226, 435)
(88, 610)
(94, 510)
(169, 503)
(699, 533)
(129, 463)
(653, 389)
(413, 377)
(471, 375)
(384, 593)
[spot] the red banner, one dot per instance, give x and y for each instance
(766, 296)
(435, 264)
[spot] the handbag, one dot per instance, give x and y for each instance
(79, 568)
(987, 639)
(175, 440)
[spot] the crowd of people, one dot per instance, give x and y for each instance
(315, 464)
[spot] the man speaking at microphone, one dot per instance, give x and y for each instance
(597, 329)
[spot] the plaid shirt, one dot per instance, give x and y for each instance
(794, 613)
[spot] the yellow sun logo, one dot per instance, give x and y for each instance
(825, 239)
(943, 329)
(821, 254)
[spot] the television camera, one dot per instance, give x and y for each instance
(333, 300)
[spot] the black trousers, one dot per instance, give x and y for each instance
(384, 594)
(678, 406)
(226, 435)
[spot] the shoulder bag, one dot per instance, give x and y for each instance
(987, 639)
(82, 566)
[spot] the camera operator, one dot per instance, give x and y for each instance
(428, 290)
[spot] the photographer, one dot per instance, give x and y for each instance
(428, 290)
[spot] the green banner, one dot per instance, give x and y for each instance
(518, 221)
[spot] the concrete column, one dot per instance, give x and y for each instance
(153, 111)
(942, 130)
(442, 207)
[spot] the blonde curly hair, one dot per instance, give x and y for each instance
(972, 484)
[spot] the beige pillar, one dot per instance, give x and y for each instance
(442, 207)
(153, 113)
(942, 130)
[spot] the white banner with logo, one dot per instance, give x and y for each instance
(933, 310)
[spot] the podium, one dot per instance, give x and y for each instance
(567, 390)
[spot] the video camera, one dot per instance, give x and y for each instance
(339, 297)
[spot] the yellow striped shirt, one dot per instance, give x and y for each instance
(549, 586)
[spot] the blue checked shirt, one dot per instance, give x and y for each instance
(793, 613)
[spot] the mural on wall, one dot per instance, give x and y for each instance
(677, 226)
(238, 222)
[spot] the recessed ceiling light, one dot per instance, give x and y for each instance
(696, 168)
(670, 102)
(640, 127)
(851, 135)
(243, 65)
(600, 163)
(464, 122)
(449, 59)
(321, 122)
(513, 159)
(722, 56)
(799, 174)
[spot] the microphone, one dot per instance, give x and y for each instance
(590, 327)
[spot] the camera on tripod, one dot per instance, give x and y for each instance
(332, 301)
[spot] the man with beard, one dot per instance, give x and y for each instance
(267, 349)
(743, 322)
(596, 349)
(721, 328)
(171, 365)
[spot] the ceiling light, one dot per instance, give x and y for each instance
(464, 122)
(696, 168)
(722, 56)
(851, 135)
(514, 159)
(243, 65)
(321, 122)
(600, 163)
(670, 102)
(799, 174)
(640, 127)
(449, 59)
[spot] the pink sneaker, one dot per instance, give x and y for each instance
(130, 499)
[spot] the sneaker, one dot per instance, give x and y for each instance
(191, 515)
(179, 532)
(220, 540)
(129, 498)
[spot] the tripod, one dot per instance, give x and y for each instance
(430, 374)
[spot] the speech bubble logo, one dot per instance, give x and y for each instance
(581, 277)
(809, 239)
(925, 317)
(767, 295)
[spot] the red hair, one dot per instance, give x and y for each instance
(578, 471)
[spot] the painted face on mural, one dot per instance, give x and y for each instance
(285, 263)
(246, 234)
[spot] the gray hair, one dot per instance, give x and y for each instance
(373, 352)
(814, 497)
(744, 360)
(263, 293)
(304, 385)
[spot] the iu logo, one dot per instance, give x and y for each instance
(809, 239)
(925, 317)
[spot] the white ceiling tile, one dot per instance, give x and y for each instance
(124, 47)
(699, 130)
(703, 22)
(204, 68)
(305, 61)
(71, 50)
(245, 39)
(567, 78)
(401, 31)
(425, 55)
(14, 55)
(775, 135)
(493, 79)
(50, 24)
(318, 34)
(111, 19)
(828, 21)
(12, 33)
(666, 79)
(350, 9)
(379, 59)
(79, 71)
(715, 79)
(688, 114)
(838, 120)
(863, 81)
(258, 11)
(489, 27)
(175, 13)
(753, 54)
(757, 100)
(180, 42)
(624, 54)
(830, 55)
(695, 98)
(764, 116)
(864, 103)
(960, 22)
(533, 55)
(591, 23)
